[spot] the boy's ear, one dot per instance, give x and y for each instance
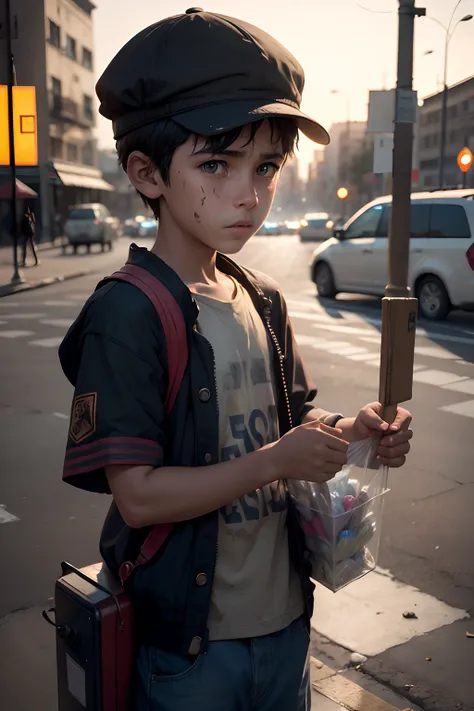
(144, 176)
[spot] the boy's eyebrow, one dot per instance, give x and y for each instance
(236, 154)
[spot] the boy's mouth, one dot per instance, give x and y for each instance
(242, 223)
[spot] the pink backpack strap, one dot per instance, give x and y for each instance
(174, 327)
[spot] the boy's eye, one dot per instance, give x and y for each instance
(213, 167)
(267, 170)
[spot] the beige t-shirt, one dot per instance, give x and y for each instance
(256, 590)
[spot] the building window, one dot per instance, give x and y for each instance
(88, 110)
(56, 148)
(428, 181)
(56, 94)
(71, 49)
(452, 112)
(87, 58)
(435, 139)
(453, 136)
(72, 152)
(87, 153)
(54, 34)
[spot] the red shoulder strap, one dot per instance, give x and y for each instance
(174, 327)
(172, 319)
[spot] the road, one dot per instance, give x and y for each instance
(426, 555)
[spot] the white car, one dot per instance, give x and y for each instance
(90, 224)
(441, 270)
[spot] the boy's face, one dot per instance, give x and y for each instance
(222, 199)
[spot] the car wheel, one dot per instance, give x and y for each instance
(324, 280)
(434, 303)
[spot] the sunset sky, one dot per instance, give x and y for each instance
(341, 46)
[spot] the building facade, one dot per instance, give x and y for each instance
(53, 51)
(459, 133)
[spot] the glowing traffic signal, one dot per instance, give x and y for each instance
(342, 193)
(24, 123)
(465, 159)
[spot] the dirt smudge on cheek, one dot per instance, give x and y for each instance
(203, 199)
(197, 217)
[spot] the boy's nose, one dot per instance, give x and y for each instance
(247, 197)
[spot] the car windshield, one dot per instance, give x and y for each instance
(318, 223)
(86, 214)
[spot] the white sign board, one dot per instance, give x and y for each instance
(381, 111)
(383, 153)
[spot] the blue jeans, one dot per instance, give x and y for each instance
(268, 673)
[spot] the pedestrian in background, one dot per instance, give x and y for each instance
(28, 231)
(205, 111)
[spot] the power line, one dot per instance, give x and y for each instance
(376, 12)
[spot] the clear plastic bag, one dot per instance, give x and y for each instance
(341, 519)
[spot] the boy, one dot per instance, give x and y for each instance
(205, 111)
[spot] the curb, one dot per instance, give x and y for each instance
(9, 289)
(337, 688)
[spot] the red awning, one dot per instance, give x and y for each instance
(22, 191)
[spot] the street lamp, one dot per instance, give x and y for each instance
(444, 107)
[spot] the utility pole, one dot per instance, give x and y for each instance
(399, 310)
(17, 277)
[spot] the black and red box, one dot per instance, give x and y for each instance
(94, 640)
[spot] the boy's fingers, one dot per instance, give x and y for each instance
(333, 441)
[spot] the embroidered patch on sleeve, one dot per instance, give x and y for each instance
(83, 417)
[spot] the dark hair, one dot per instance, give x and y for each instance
(159, 141)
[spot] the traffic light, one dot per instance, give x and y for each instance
(465, 159)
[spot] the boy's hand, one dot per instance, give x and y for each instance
(312, 452)
(395, 442)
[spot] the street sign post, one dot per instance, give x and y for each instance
(399, 309)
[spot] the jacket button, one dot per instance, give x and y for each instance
(208, 458)
(204, 395)
(195, 646)
(201, 579)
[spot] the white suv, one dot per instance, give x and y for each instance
(441, 271)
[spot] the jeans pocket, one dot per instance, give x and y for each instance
(166, 666)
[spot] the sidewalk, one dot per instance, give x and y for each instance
(54, 267)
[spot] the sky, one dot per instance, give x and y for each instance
(345, 46)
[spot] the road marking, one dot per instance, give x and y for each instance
(2, 323)
(350, 617)
(465, 386)
(6, 516)
(342, 691)
(8, 304)
(61, 322)
(60, 303)
(363, 356)
(47, 342)
(304, 340)
(437, 377)
(465, 408)
(331, 346)
(15, 334)
(352, 350)
(23, 317)
(434, 352)
(61, 416)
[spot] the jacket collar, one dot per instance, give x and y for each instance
(142, 257)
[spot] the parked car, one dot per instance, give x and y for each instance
(148, 228)
(270, 229)
(90, 224)
(441, 269)
(317, 226)
(130, 228)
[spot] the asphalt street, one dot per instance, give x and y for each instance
(426, 556)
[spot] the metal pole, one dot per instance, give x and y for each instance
(405, 115)
(17, 277)
(444, 116)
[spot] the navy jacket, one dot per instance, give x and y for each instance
(115, 356)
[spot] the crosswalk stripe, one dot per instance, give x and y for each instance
(15, 334)
(463, 386)
(437, 377)
(61, 322)
(47, 342)
(6, 516)
(465, 408)
(22, 317)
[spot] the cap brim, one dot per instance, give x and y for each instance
(218, 118)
